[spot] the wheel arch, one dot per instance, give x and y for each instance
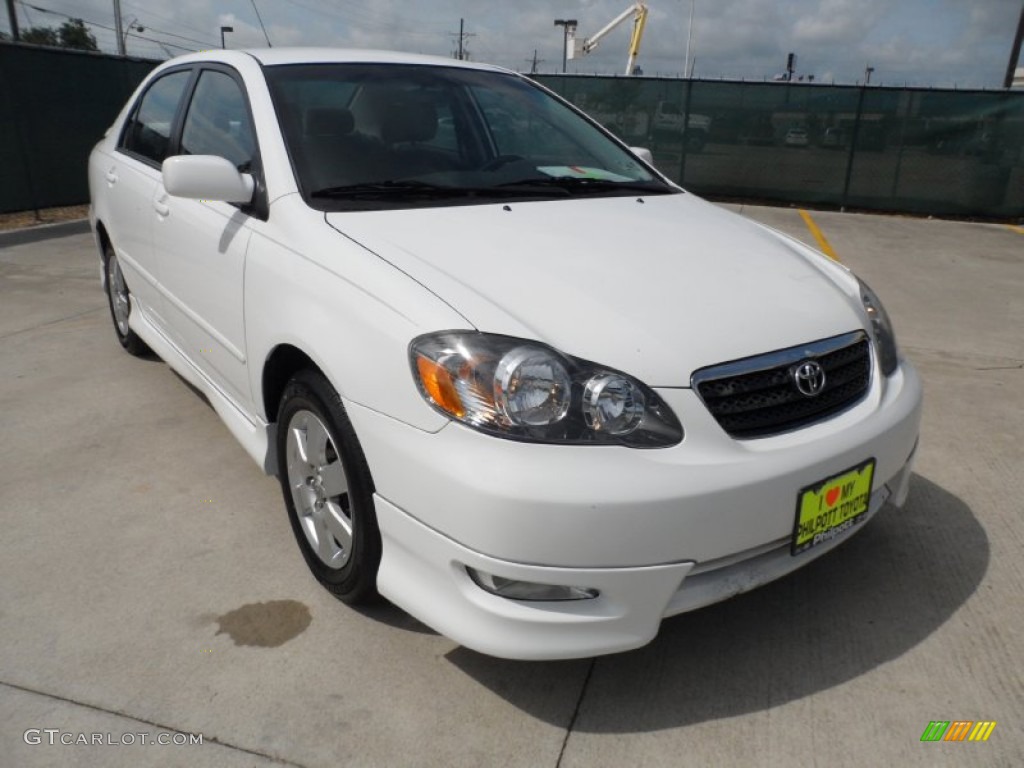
(103, 241)
(101, 234)
(283, 362)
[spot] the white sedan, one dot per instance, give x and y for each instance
(510, 377)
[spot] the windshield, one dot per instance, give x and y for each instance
(367, 136)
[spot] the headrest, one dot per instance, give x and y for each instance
(328, 121)
(408, 120)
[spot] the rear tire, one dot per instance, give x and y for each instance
(328, 489)
(119, 299)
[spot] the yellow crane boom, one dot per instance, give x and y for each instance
(638, 11)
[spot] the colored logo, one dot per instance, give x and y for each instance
(958, 730)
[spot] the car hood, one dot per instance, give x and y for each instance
(657, 286)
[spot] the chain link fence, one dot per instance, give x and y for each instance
(923, 151)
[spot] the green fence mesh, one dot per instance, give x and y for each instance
(54, 106)
(923, 151)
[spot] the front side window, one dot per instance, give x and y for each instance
(217, 122)
(147, 133)
(371, 136)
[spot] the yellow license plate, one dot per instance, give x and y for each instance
(831, 507)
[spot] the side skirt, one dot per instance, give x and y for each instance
(255, 435)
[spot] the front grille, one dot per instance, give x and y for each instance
(758, 396)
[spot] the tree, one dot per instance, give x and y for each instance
(74, 34)
(40, 36)
(71, 34)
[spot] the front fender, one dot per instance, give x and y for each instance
(347, 310)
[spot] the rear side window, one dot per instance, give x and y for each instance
(218, 121)
(148, 132)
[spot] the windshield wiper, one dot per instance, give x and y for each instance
(545, 187)
(585, 185)
(390, 188)
(412, 188)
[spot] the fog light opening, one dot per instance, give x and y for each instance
(528, 590)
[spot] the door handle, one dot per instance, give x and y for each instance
(161, 207)
(111, 176)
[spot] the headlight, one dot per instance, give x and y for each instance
(881, 328)
(532, 387)
(524, 390)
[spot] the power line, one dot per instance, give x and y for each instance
(27, 15)
(364, 18)
(101, 26)
(161, 43)
(179, 37)
(384, 20)
(166, 19)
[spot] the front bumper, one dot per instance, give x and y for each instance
(658, 532)
(424, 572)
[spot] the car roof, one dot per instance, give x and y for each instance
(301, 55)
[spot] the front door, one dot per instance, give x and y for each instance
(201, 244)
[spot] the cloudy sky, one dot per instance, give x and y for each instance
(920, 42)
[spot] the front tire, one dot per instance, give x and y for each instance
(119, 298)
(328, 489)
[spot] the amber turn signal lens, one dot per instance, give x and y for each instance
(439, 386)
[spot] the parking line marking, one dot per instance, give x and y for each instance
(1018, 230)
(823, 242)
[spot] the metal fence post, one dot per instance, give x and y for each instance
(686, 130)
(853, 148)
(905, 102)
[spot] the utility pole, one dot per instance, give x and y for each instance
(1014, 51)
(687, 69)
(461, 52)
(867, 75)
(13, 16)
(119, 27)
(133, 24)
(566, 25)
(534, 62)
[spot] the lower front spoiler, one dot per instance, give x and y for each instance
(424, 572)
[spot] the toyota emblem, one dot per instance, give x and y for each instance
(809, 378)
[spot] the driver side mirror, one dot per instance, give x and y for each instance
(206, 177)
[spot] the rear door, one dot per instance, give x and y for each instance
(131, 175)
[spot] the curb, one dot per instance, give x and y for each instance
(43, 232)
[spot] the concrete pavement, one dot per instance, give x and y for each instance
(151, 583)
